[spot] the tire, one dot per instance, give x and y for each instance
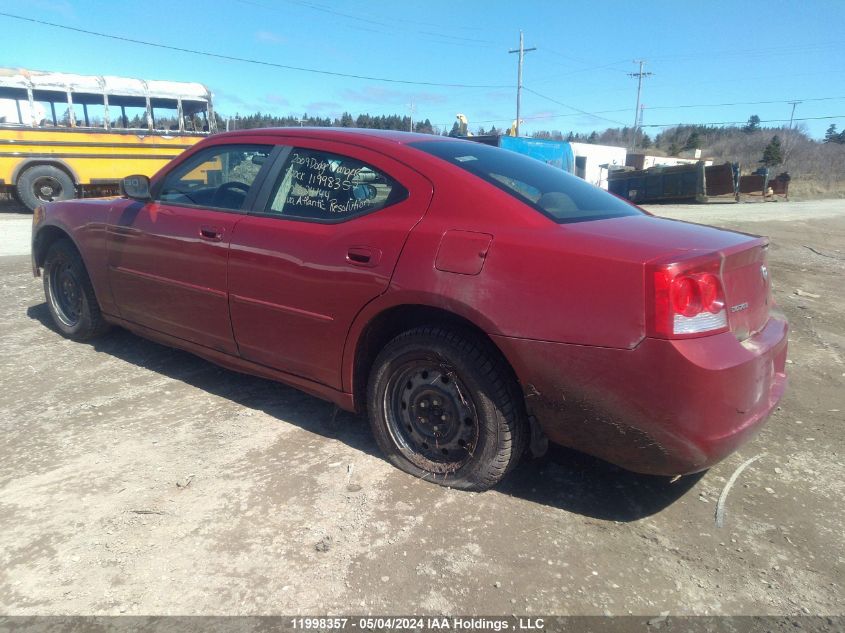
(42, 184)
(445, 407)
(69, 293)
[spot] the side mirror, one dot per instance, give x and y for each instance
(136, 187)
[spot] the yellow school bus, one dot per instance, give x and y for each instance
(65, 136)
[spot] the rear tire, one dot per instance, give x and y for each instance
(42, 184)
(70, 295)
(445, 407)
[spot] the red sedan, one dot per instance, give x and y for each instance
(472, 300)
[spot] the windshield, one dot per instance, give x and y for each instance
(551, 191)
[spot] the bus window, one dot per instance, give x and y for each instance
(11, 111)
(128, 117)
(89, 110)
(63, 115)
(165, 114)
(48, 107)
(128, 113)
(196, 116)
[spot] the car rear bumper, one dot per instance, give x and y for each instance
(665, 407)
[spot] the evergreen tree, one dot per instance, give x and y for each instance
(593, 138)
(456, 129)
(424, 127)
(693, 141)
(753, 124)
(773, 154)
(645, 141)
(832, 136)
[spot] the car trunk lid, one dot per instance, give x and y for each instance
(745, 274)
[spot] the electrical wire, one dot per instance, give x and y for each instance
(247, 60)
(738, 103)
(443, 38)
(594, 115)
(806, 118)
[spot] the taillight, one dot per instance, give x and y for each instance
(688, 300)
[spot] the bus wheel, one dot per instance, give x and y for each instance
(44, 183)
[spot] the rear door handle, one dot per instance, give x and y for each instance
(211, 233)
(363, 256)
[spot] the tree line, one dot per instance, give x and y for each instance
(368, 121)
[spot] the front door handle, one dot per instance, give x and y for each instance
(363, 256)
(211, 233)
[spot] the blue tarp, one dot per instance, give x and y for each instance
(555, 153)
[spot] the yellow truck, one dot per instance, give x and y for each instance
(64, 136)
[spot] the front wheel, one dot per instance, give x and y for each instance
(445, 407)
(42, 184)
(70, 295)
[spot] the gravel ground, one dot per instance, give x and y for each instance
(136, 479)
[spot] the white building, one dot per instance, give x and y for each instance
(592, 162)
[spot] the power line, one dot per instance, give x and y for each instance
(594, 115)
(808, 118)
(391, 22)
(672, 107)
(775, 50)
(246, 60)
(738, 103)
(553, 116)
(584, 70)
(362, 18)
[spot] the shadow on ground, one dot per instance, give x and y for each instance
(12, 207)
(563, 479)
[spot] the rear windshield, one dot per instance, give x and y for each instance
(551, 191)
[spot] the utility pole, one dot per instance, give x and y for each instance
(411, 107)
(639, 77)
(792, 116)
(788, 139)
(521, 50)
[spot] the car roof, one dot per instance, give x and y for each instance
(348, 134)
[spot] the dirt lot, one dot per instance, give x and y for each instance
(139, 479)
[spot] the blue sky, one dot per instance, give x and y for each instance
(701, 53)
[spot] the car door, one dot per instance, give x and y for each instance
(167, 258)
(323, 241)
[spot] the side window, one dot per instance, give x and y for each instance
(218, 177)
(319, 185)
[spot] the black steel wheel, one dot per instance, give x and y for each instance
(444, 406)
(64, 292)
(431, 417)
(41, 184)
(69, 293)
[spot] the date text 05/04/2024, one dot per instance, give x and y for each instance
(417, 623)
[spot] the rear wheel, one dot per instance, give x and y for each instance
(42, 184)
(444, 407)
(70, 295)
